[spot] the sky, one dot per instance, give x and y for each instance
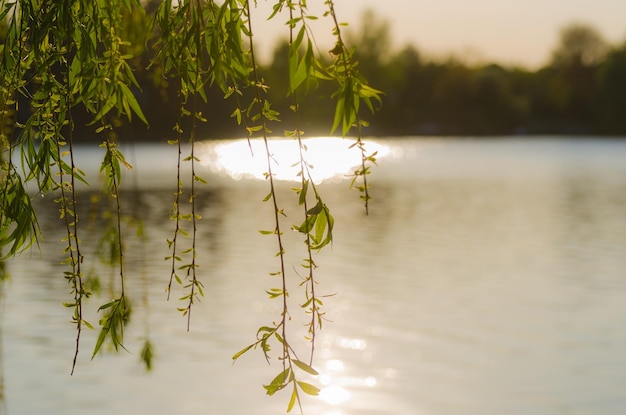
(510, 32)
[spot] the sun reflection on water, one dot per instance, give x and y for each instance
(343, 388)
(329, 157)
(334, 395)
(332, 392)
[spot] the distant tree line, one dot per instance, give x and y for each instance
(581, 90)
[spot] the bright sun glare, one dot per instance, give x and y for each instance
(330, 158)
(334, 395)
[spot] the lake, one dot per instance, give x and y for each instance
(489, 278)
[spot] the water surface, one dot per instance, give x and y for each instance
(489, 278)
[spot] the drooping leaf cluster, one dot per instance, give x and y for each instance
(71, 67)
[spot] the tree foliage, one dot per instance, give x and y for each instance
(69, 71)
(577, 90)
(579, 44)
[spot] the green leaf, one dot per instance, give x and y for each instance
(237, 115)
(241, 352)
(101, 338)
(297, 71)
(320, 227)
(307, 225)
(293, 399)
(308, 388)
(278, 382)
(108, 305)
(132, 102)
(147, 355)
(303, 192)
(315, 210)
(108, 106)
(339, 114)
(303, 366)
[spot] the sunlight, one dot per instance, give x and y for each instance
(338, 381)
(334, 395)
(331, 393)
(328, 157)
(370, 381)
(334, 365)
(354, 344)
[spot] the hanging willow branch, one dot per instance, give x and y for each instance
(183, 49)
(64, 57)
(318, 222)
(353, 90)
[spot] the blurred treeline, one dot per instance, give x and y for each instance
(581, 90)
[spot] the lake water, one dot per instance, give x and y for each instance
(489, 278)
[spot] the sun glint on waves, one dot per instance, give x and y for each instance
(328, 157)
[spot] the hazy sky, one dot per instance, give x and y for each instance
(505, 31)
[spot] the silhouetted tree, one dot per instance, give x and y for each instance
(579, 45)
(575, 63)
